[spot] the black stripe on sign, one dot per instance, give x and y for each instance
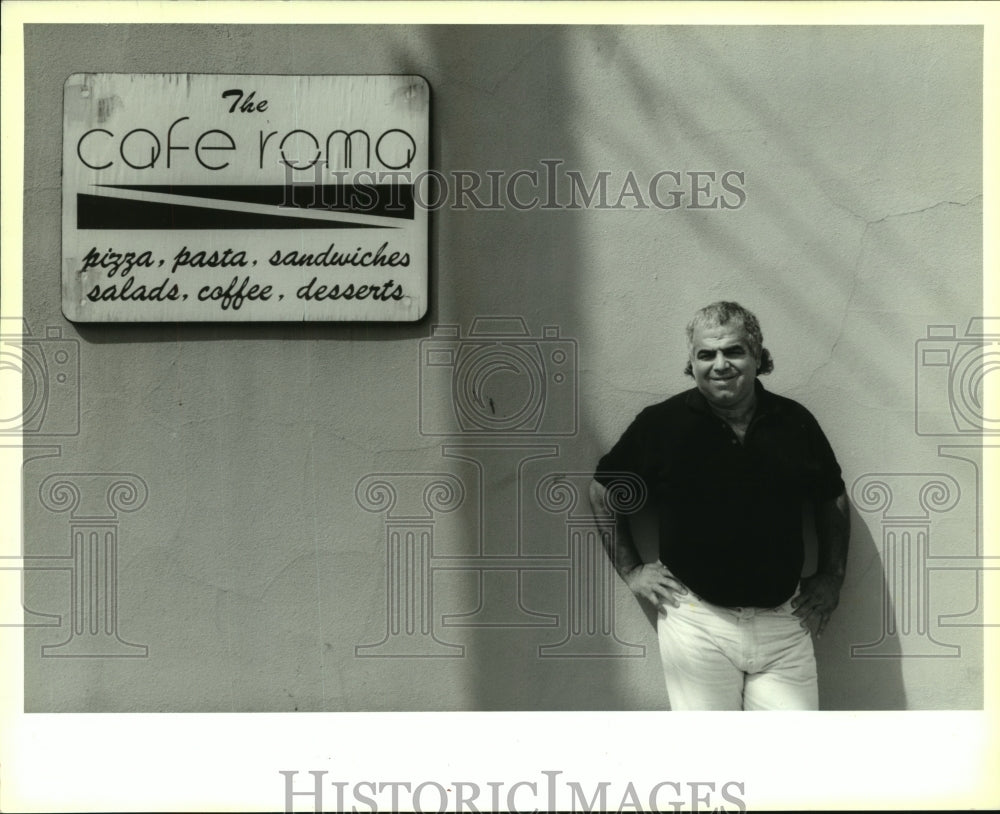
(105, 212)
(384, 200)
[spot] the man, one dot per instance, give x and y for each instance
(729, 467)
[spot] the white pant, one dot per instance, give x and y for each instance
(736, 658)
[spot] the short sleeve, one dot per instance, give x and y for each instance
(630, 455)
(824, 475)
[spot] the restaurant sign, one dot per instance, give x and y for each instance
(209, 197)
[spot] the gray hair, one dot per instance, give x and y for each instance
(732, 313)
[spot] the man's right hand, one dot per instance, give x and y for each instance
(654, 583)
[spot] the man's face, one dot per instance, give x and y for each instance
(724, 368)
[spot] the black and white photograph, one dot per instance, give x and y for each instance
(491, 406)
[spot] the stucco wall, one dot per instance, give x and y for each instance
(255, 573)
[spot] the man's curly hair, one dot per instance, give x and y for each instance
(722, 313)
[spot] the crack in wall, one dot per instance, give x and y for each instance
(856, 265)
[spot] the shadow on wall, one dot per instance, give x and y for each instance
(858, 659)
(527, 591)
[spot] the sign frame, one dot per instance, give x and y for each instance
(197, 197)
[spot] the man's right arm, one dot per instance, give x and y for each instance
(651, 581)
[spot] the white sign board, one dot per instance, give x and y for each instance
(208, 197)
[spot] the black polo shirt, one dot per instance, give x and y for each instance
(730, 513)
